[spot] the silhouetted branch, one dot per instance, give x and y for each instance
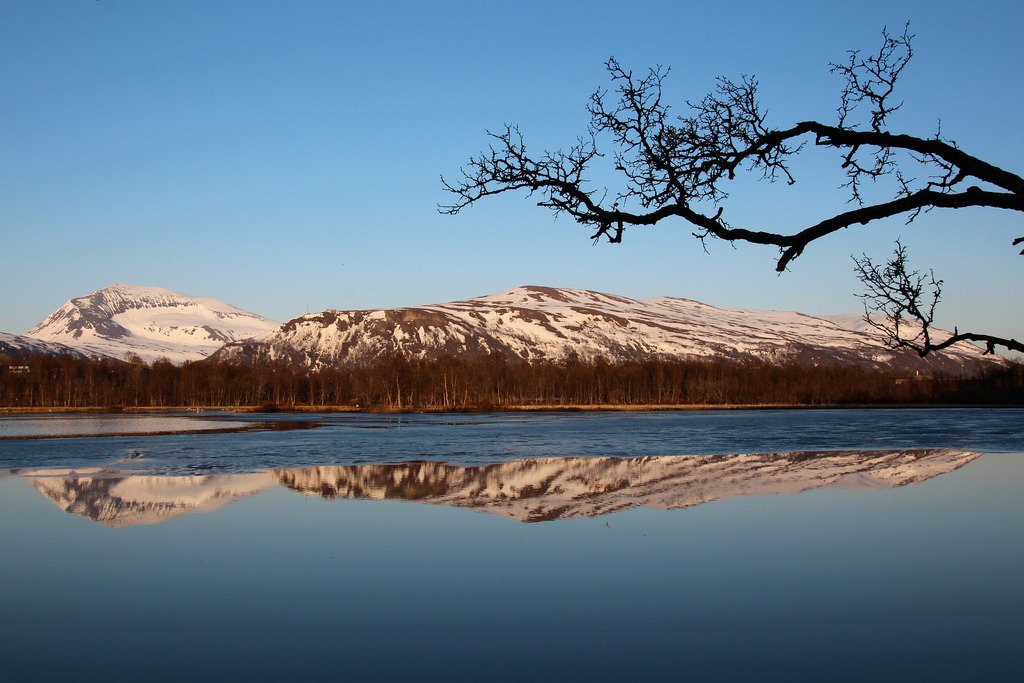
(672, 167)
(679, 167)
(907, 300)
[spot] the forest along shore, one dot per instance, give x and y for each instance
(395, 383)
(538, 408)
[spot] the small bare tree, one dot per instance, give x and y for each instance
(906, 300)
(679, 167)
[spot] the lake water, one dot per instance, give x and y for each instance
(721, 545)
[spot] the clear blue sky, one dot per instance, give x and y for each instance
(285, 156)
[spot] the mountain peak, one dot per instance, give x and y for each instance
(149, 322)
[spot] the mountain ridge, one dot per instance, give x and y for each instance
(526, 323)
(545, 323)
(17, 347)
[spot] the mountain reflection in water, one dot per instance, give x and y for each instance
(533, 490)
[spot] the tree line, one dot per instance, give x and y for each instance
(394, 382)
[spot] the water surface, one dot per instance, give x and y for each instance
(483, 439)
(779, 545)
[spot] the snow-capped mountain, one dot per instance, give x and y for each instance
(545, 323)
(534, 490)
(148, 322)
(16, 347)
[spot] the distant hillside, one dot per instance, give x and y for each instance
(535, 323)
(17, 348)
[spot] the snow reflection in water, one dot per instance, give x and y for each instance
(534, 490)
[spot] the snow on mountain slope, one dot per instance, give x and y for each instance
(17, 347)
(149, 322)
(533, 323)
(850, 321)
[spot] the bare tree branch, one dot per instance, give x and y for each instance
(679, 167)
(907, 300)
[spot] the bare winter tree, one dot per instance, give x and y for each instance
(906, 300)
(678, 167)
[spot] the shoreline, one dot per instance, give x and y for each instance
(531, 408)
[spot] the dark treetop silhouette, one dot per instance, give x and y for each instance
(677, 167)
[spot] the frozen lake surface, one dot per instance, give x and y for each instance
(51, 426)
(724, 545)
(483, 439)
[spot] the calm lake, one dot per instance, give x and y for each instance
(709, 545)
